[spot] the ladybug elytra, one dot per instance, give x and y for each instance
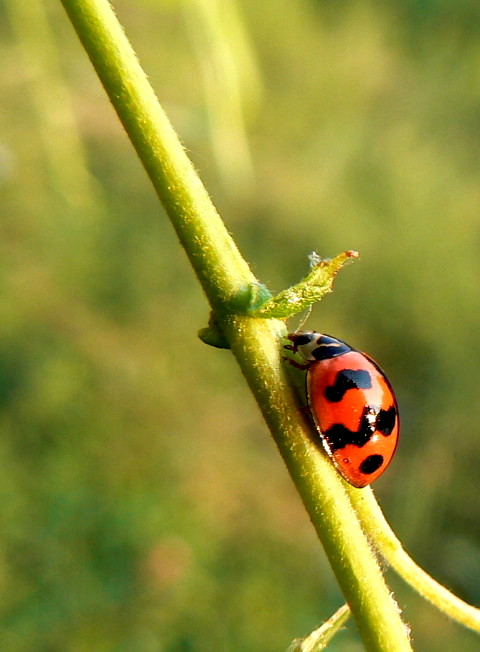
(352, 405)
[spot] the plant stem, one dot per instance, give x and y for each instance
(387, 544)
(255, 342)
(322, 490)
(214, 256)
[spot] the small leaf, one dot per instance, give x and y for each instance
(319, 638)
(212, 335)
(311, 289)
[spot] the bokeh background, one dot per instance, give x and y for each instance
(143, 504)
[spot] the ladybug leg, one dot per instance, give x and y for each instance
(305, 410)
(297, 365)
(294, 363)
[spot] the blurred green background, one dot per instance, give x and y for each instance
(144, 505)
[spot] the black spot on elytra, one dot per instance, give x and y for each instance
(386, 420)
(338, 436)
(371, 464)
(345, 380)
(372, 420)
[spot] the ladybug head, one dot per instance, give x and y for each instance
(317, 346)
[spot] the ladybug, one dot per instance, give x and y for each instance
(351, 403)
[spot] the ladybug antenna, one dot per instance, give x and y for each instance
(306, 315)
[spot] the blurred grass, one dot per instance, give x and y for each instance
(144, 506)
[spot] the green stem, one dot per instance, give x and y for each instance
(255, 342)
(214, 256)
(387, 544)
(256, 345)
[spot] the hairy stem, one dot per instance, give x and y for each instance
(255, 342)
(387, 544)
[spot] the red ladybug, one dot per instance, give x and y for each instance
(352, 405)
